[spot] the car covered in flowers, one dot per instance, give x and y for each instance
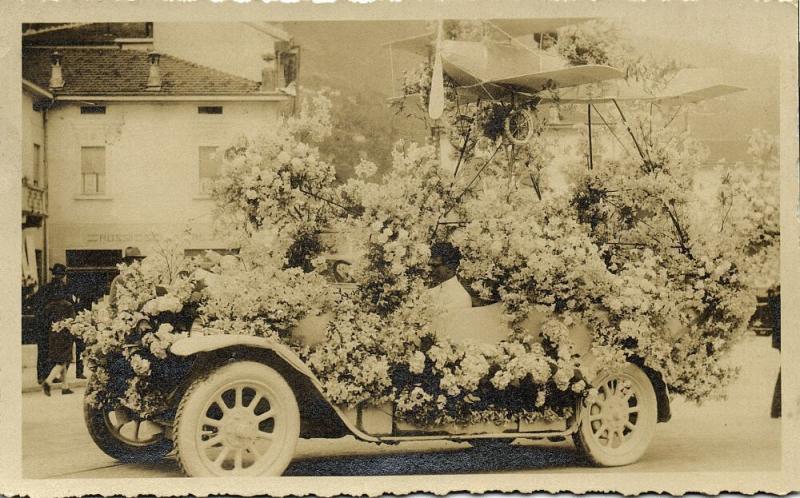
(237, 403)
(588, 302)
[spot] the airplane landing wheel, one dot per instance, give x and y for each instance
(518, 126)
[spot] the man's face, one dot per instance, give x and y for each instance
(441, 271)
(58, 278)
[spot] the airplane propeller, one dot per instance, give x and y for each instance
(436, 97)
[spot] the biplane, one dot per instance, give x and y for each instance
(509, 64)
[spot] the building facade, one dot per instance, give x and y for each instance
(121, 144)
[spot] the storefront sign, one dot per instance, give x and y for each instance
(107, 236)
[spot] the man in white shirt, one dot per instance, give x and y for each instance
(447, 293)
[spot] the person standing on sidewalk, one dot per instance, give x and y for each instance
(60, 347)
(55, 290)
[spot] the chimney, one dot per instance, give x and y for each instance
(268, 72)
(56, 76)
(154, 78)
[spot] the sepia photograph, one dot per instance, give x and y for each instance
(452, 245)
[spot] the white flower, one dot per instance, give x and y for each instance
(141, 366)
(417, 363)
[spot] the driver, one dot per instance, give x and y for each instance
(447, 293)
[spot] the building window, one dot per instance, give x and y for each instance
(93, 258)
(93, 109)
(210, 166)
(93, 170)
(91, 272)
(38, 177)
(215, 109)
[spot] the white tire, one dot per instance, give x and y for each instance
(617, 426)
(241, 419)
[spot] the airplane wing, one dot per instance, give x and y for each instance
(561, 78)
(419, 45)
(701, 94)
(520, 27)
(688, 86)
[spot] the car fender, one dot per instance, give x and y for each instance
(196, 344)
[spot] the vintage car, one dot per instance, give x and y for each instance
(241, 403)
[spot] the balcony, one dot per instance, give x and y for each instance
(34, 199)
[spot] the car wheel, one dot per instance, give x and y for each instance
(124, 437)
(240, 419)
(617, 425)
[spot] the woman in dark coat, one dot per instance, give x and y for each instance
(60, 344)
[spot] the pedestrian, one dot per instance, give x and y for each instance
(60, 345)
(774, 303)
(55, 290)
(130, 256)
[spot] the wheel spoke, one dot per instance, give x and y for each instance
(253, 448)
(222, 405)
(221, 456)
(630, 426)
(120, 419)
(212, 422)
(137, 425)
(616, 439)
(238, 399)
(266, 415)
(210, 442)
(237, 459)
(600, 429)
(255, 401)
(267, 436)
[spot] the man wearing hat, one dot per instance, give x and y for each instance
(53, 291)
(130, 256)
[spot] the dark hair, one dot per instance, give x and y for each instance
(450, 254)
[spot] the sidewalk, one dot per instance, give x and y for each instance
(29, 381)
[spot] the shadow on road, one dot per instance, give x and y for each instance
(468, 461)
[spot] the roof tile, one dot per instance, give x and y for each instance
(116, 72)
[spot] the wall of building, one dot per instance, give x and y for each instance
(33, 231)
(32, 133)
(235, 48)
(152, 172)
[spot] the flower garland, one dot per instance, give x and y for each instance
(615, 252)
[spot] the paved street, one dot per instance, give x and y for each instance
(732, 435)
